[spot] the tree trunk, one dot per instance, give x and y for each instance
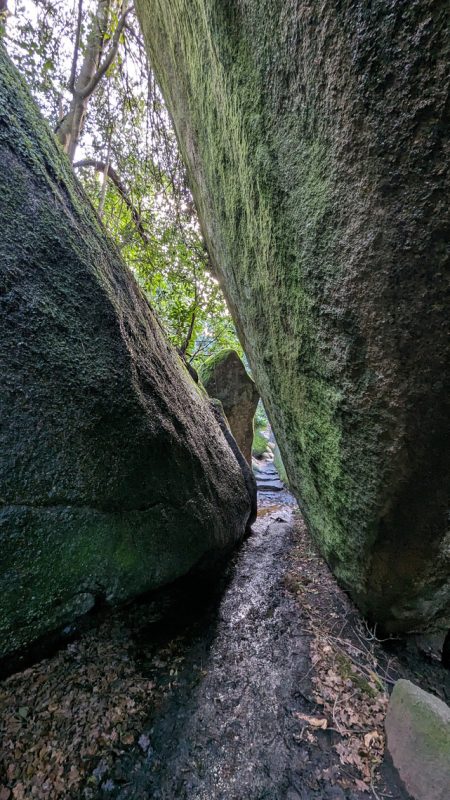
(70, 129)
(115, 477)
(93, 68)
(314, 135)
(3, 16)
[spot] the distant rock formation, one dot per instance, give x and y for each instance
(225, 378)
(247, 471)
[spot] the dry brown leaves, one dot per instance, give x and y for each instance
(60, 716)
(354, 703)
(347, 681)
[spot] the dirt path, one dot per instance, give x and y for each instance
(230, 725)
(232, 735)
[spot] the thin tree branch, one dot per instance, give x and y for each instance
(109, 58)
(204, 346)
(187, 341)
(105, 168)
(76, 48)
(105, 175)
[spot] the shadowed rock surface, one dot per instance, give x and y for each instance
(115, 477)
(225, 378)
(247, 472)
(315, 135)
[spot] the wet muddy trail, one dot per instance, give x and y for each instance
(230, 663)
(227, 730)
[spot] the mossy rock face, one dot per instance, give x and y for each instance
(314, 139)
(281, 469)
(115, 476)
(225, 378)
(418, 739)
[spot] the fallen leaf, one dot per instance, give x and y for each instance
(313, 721)
(371, 737)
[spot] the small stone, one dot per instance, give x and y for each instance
(144, 742)
(100, 771)
(418, 739)
(335, 793)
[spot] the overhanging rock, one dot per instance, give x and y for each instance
(314, 136)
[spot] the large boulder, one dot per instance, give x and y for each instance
(225, 378)
(115, 476)
(418, 739)
(314, 135)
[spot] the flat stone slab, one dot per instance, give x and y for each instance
(418, 739)
(267, 478)
(269, 485)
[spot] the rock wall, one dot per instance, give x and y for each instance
(115, 476)
(314, 135)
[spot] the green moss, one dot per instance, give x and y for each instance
(348, 671)
(267, 239)
(413, 709)
(260, 441)
(99, 416)
(56, 561)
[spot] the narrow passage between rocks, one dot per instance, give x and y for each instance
(234, 685)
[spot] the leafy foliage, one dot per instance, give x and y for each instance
(261, 420)
(151, 215)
